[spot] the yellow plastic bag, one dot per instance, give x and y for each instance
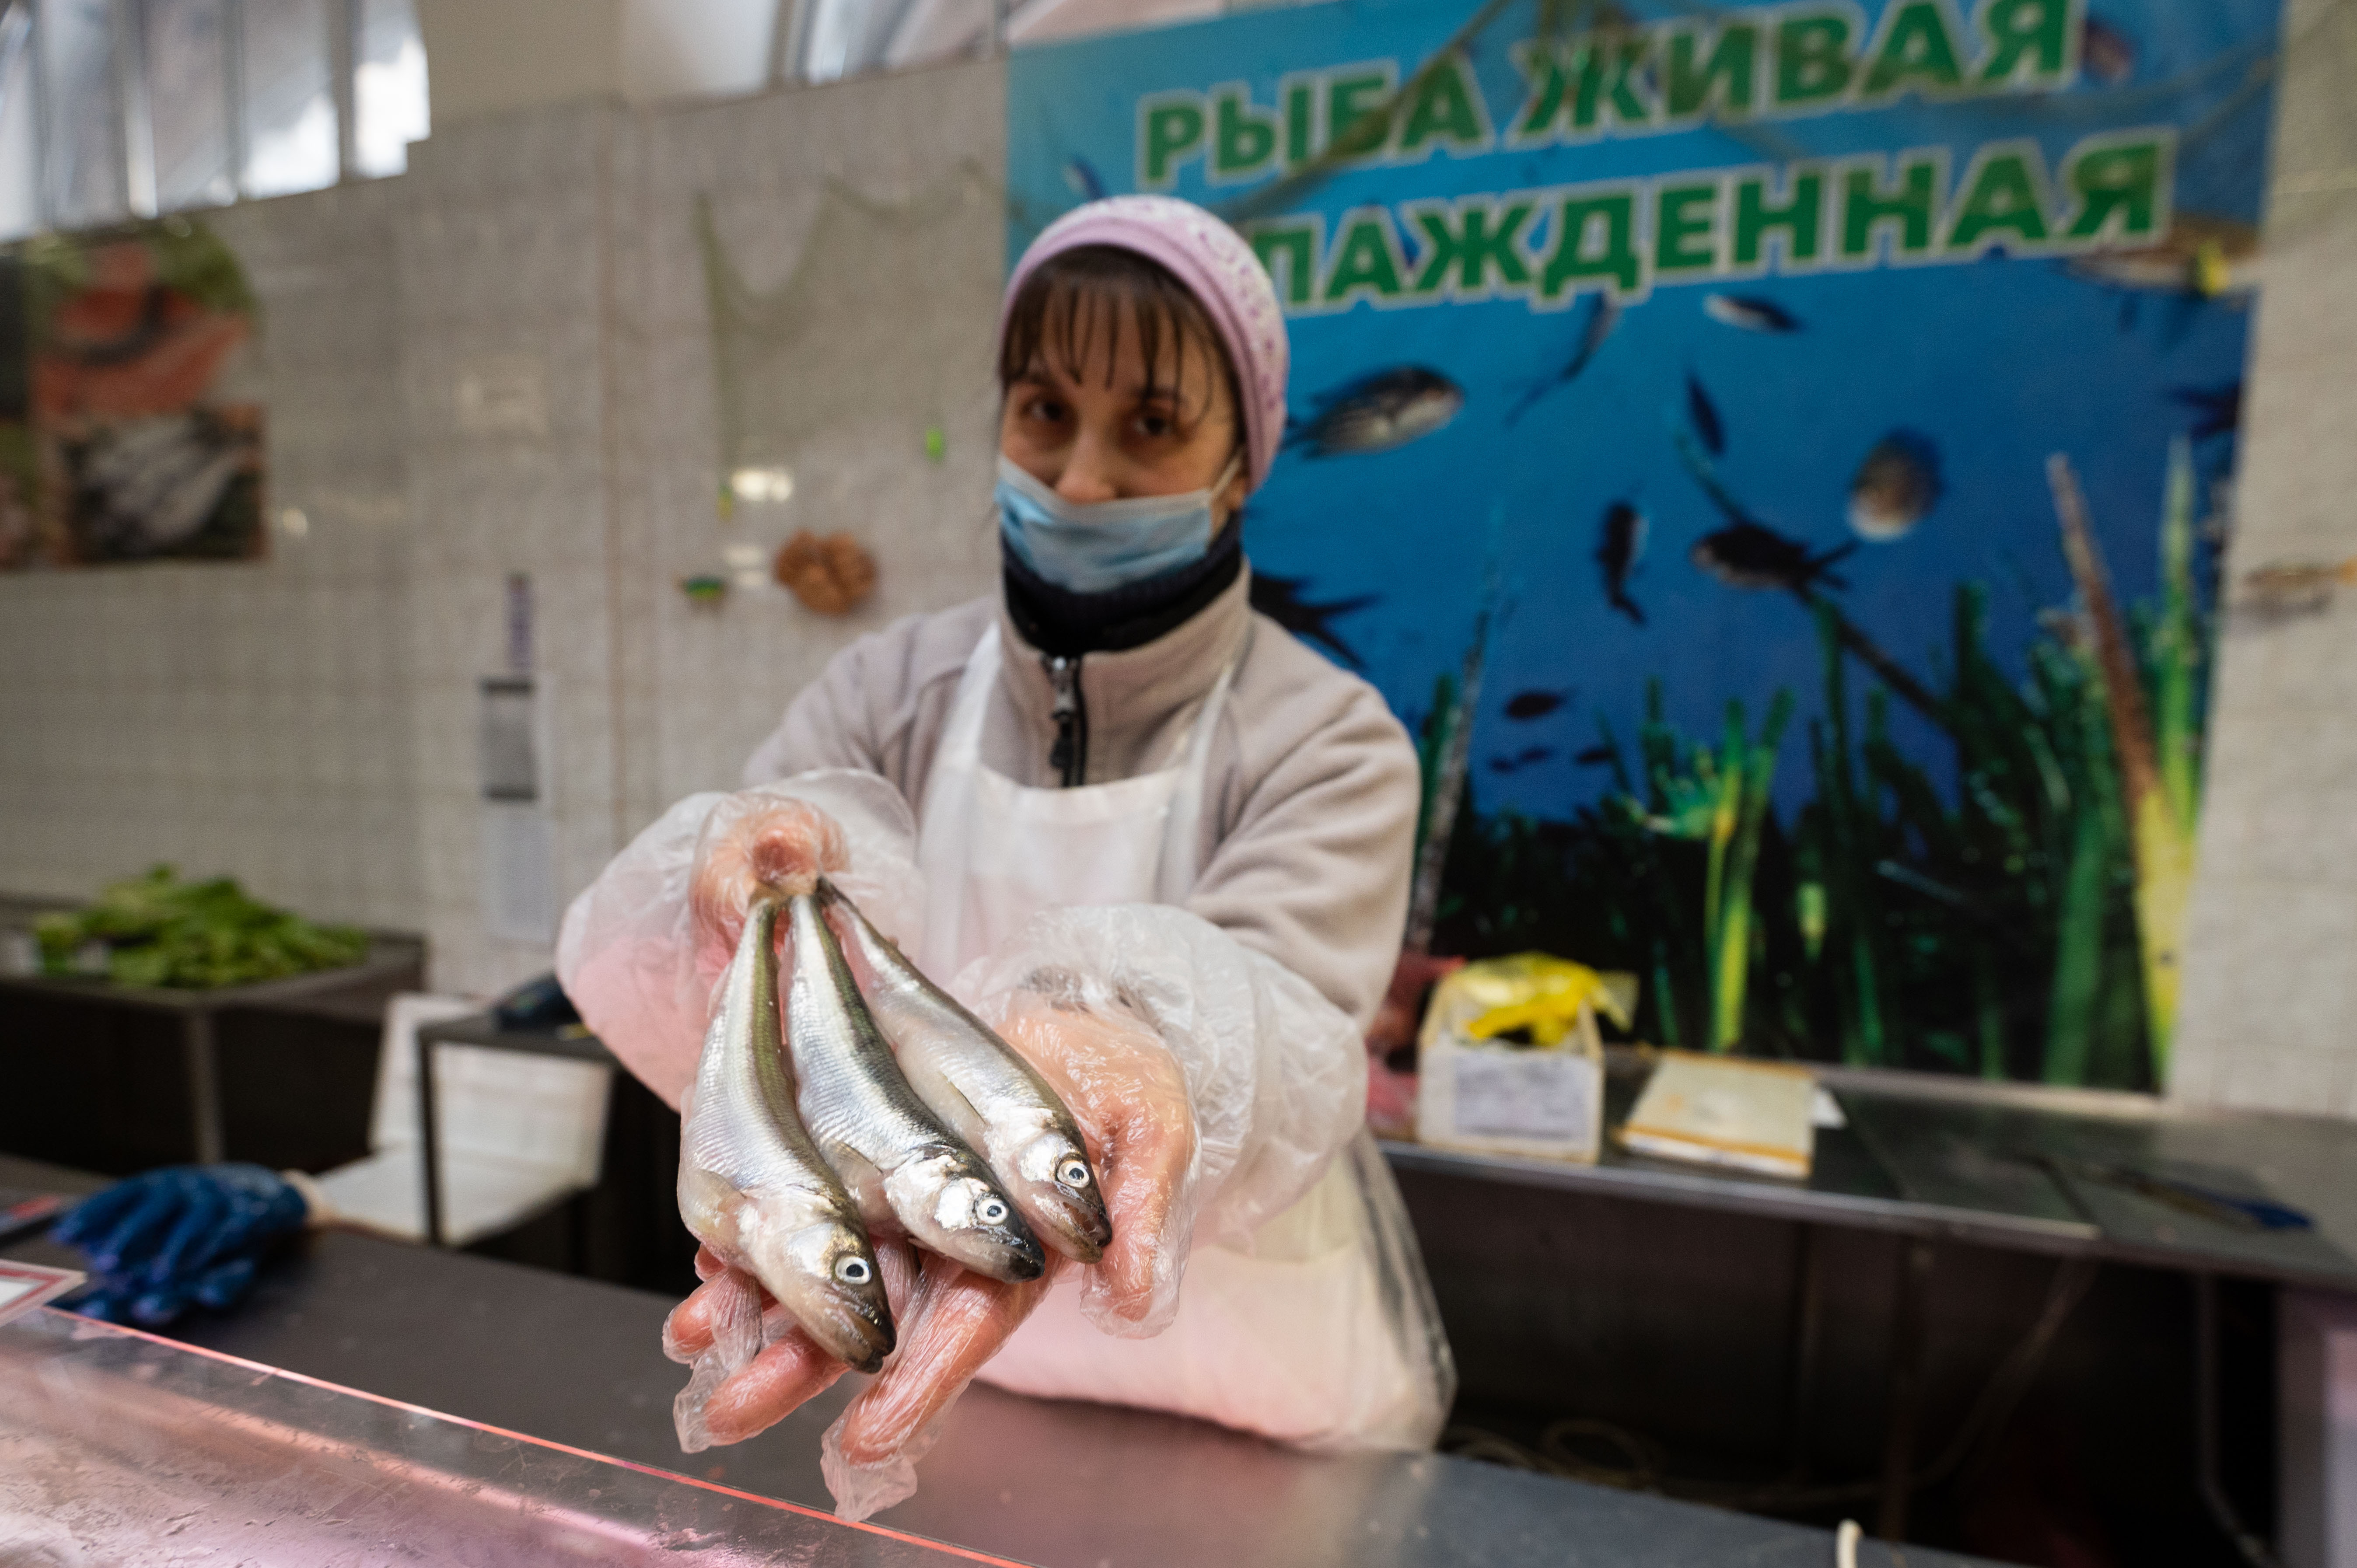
(1478, 1091)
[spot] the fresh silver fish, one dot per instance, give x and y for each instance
(753, 1186)
(893, 1153)
(987, 1093)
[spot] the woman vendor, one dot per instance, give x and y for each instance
(1168, 841)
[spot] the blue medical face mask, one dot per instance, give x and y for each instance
(1089, 546)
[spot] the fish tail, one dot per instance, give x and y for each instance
(1628, 606)
(1819, 568)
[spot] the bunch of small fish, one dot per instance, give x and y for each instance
(886, 1109)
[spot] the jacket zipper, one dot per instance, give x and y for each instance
(1068, 758)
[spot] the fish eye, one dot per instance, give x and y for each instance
(991, 1210)
(853, 1271)
(1074, 1171)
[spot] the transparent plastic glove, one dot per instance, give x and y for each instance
(955, 1321)
(161, 1239)
(638, 958)
(751, 842)
(1130, 1098)
(1218, 1083)
(751, 1365)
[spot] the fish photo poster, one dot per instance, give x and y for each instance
(115, 445)
(1775, 459)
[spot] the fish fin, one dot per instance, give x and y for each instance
(864, 1183)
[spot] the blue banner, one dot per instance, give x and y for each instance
(1678, 395)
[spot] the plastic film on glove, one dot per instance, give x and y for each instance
(1232, 1073)
(750, 1363)
(638, 963)
(957, 1319)
(735, 1317)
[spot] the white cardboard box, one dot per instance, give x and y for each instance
(1489, 1098)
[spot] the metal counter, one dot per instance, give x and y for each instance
(114, 1443)
(1993, 1165)
(393, 963)
(1063, 1484)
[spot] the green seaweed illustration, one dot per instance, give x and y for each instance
(2020, 922)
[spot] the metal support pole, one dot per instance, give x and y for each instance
(37, 65)
(785, 19)
(204, 1084)
(1808, 1319)
(1906, 1384)
(429, 1141)
(135, 119)
(343, 66)
(234, 94)
(2252, 1549)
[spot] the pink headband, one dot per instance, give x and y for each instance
(1217, 267)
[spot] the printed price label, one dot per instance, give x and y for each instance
(1525, 1094)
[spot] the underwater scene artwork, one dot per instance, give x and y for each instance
(1775, 459)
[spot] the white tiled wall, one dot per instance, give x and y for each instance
(906, 345)
(566, 238)
(503, 257)
(2271, 973)
(309, 723)
(249, 718)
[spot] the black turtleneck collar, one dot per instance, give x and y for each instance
(1065, 625)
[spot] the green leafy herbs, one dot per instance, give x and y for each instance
(159, 930)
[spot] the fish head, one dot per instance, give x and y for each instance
(1434, 405)
(958, 1212)
(1057, 1189)
(825, 1274)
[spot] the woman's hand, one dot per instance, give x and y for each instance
(1130, 1098)
(755, 842)
(1130, 1101)
(950, 1322)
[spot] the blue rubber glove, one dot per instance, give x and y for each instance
(165, 1238)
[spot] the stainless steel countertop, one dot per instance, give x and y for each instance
(1063, 1484)
(1965, 1160)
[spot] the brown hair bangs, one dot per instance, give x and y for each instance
(1071, 309)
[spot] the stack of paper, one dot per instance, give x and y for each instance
(1724, 1110)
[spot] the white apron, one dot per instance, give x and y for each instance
(1301, 1339)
